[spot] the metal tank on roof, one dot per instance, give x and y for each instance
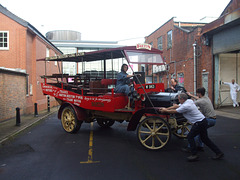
(64, 35)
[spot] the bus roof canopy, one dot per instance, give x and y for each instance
(113, 53)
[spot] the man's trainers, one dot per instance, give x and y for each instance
(218, 156)
(192, 158)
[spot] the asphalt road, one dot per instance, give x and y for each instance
(47, 152)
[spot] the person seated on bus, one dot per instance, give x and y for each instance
(123, 82)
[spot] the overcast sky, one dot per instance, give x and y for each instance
(111, 20)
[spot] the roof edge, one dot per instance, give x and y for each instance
(26, 24)
(185, 30)
(15, 71)
(160, 27)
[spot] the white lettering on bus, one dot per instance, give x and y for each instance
(65, 92)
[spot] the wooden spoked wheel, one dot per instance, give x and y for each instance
(182, 129)
(69, 120)
(153, 133)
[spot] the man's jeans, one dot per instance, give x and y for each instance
(211, 122)
(201, 129)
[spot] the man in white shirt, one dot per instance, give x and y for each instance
(234, 88)
(200, 124)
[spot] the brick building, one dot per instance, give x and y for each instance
(10, 81)
(176, 40)
(223, 37)
(20, 45)
(201, 55)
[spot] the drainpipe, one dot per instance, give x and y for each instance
(194, 68)
(237, 68)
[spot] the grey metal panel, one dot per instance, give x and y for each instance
(64, 35)
(227, 40)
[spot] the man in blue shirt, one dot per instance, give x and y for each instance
(190, 111)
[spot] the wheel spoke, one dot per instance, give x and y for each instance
(154, 126)
(159, 128)
(146, 139)
(69, 122)
(159, 140)
(67, 114)
(148, 126)
(182, 130)
(145, 132)
(163, 134)
(153, 141)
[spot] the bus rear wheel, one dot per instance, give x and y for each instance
(69, 120)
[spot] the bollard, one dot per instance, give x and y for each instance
(18, 120)
(36, 110)
(48, 103)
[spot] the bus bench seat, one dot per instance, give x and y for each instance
(107, 82)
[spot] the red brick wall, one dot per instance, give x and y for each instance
(30, 50)
(12, 94)
(16, 55)
(40, 70)
(181, 58)
(152, 38)
(25, 48)
(205, 62)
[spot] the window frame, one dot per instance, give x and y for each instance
(5, 48)
(151, 43)
(160, 43)
(169, 39)
(180, 78)
(27, 85)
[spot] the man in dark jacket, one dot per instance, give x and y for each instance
(175, 87)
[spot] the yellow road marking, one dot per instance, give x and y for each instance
(90, 150)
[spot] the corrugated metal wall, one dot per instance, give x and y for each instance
(227, 40)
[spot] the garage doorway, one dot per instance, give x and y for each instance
(229, 68)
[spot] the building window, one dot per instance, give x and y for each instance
(169, 39)
(4, 40)
(27, 84)
(55, 62)
(160, 45)
(47, 52)
(30, 89)
(151, 43)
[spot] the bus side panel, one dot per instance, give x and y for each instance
(107, 103)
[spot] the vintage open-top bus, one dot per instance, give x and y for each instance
(89, 96)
